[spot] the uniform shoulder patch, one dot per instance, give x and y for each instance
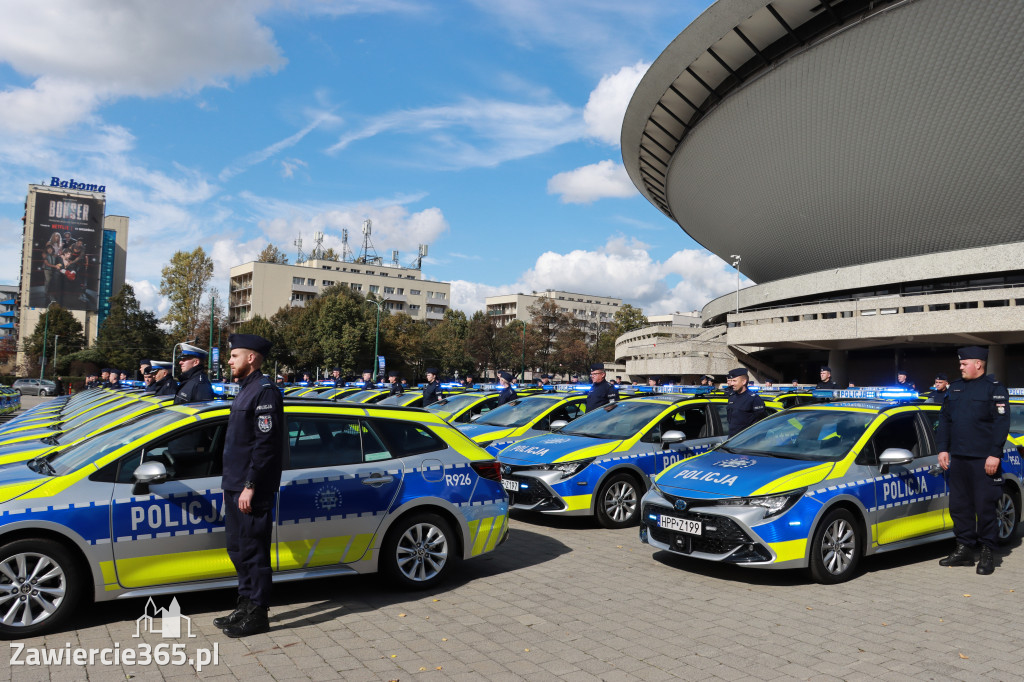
(265, 422)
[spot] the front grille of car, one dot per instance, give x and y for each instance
(721, 534)
(535, 494)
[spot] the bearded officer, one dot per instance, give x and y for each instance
(253, 449)
(744, 407)
(163, 383)
(973, 425)
(432, 391)
(601, 392)
(195, 385)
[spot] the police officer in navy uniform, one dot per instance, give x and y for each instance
(394, 384)
(254, 446)
(143, 369)
(195, 385)
(941, 391)
(826, 378)
(744, 407)
(432, 391)
(903, 381)
(601, 392)
(973, 425)
(467, 381)
(163, 383)
(367, 378)
(652, 382)
(508, 394)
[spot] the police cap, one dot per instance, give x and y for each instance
(709, 377)
(367, 371)
(250, 342)
(825, 368)
(738, 372)
(432, 370)
(597, 367)
(144, 362)
(190, 351)
(150, 370)
(159, 364)
(392, 373)
(973, 353)
(506, 376)
(901, 372)
(941, 376)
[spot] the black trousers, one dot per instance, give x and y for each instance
(973, 496)
(248, 540)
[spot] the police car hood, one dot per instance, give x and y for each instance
(723, 474)
(16, 479)
(474, 431)
(553, 447)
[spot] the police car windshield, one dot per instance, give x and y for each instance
(615, 421)
(400, 399)
(71, 432)
(101, 413)
(361, 395)
(817, 435)
(455, 403)
(517, 412)
(92, 449)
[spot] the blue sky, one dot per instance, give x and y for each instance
(487, 130)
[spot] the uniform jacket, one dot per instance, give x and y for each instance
(975, 419)
(166, 386)
(432, 393)
(743, 410)
(396, 389)
(195, 387)
(507, 395)
(600, 394)
(827, 384)
(255, 440)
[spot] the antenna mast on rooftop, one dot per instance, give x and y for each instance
(417, 264)
(369, 255)
(318, 246)
(346, 252)
(301, 258)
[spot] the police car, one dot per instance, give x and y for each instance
(601, 463)
(138, 510)
(524, 417)
(816, 487)
(465, 407)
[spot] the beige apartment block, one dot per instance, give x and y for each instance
(264, 288)
(597, 312)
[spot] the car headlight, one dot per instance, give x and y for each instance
(568, 469)
(773, 505)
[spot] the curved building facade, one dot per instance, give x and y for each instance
(849, 151)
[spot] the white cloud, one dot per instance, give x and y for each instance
(318, 119)
(607, 104)
(148, 295)
(589, 183)
(84, 54)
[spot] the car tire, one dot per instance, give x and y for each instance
(419, 551)
(618, 502)
(27, 608)
(1007, 514)
(836, 548)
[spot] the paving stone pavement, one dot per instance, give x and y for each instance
(566, 600)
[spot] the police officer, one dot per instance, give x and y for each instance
(744, 407)
(467, 381)
(601, 392)
(652, 381)
(902, 381)
(508, 394)
(143, 366)
(826, 378)
(395, 386)
(253, 448)
(336, 376)
(432, 391)
(195, 385)
(163, 383)
(973, 425)
(941, 391)
(368, 378)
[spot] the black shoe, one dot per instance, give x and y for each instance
(241, 608)
(961, 556)
(254, 622)
(985, 565)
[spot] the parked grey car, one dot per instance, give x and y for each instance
(34, 387)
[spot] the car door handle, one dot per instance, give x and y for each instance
(378, 479)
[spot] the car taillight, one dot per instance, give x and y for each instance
(490, 470)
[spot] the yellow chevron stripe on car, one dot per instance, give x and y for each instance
(577, 502)
(796, 480)
(592, 451)
(895, 530)
(790, 549)
(497, 533)
(109, 576)
(201, 564)
(481, 533)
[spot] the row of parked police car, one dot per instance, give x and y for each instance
(373, 482)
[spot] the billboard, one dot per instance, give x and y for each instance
(67, 242)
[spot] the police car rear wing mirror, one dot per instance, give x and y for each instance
(559, 424)
(147, 474)
(475, 417)
(673, 437)
(891, 456)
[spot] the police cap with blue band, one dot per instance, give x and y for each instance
(251, 342)
(973, 353)
(190, 351)
(157, 365)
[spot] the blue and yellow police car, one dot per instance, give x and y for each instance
(817, 487)
(524, 417)
(138, 510)
(465, 407)
(601, 463)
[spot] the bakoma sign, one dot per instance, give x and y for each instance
(73, 184)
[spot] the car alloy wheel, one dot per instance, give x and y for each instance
(37, 586)
(419, 550)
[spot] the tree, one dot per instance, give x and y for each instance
(330, 254)
(571, 352)
(482, 342)
(272, 254)
(628, 319)
(446, 341)
(548, 321)
(339, 324)
(261, 326)
(129, 333)
(402, 341)
(63, 325)
(184, 281)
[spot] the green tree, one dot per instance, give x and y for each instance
(129, 333)
(403, 343)
(261, 326)
(272, 254)
(340, 327)
(184, 282)
(446, 341)
(482, 341)
(548, 322)
(628, 319)
(63, 325)
(330, 254)
(572, 354)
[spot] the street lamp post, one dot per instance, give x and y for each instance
(736, 264)
(55, 337)
(376, 335)
(46, 330)
(522, 372)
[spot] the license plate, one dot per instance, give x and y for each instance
(687, 526)
(510, 485)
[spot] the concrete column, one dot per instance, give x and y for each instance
(997, 362)
(837, 361)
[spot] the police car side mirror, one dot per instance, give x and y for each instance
(673, 437)
(474, 417)
(147, 474)
(559, 424)
(891, 456)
